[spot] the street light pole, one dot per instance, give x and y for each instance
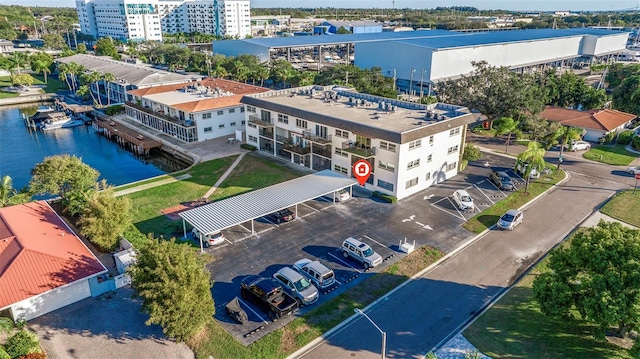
(384, 335)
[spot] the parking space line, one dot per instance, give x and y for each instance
(456, 207)
(373, 240)
(481, 191)
(220, 246)
(245, 228)
(315, 210)
(345, 263)
(498, 188)
(251, 309)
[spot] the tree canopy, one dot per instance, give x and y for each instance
(175, 288)
(57, 175)
(598, 275)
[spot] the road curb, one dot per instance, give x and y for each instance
(327, 335)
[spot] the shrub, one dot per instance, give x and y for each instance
(624, 138)
(635, 143)
(463, 164)
(385, 197)
(249, 147)
(22, 343)
(115, 109)
(3, 353)
(471, 153)
(608, 138)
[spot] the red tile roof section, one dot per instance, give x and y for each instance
(601, 120)
(38, 252)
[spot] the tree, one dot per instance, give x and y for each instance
(89, 79)
(531, 159)
(54, 41)
(9, 196)
(107, 78)
(506, 126)
(81, 49)
(22, 343)
(175, 288)
(18, 59)
(105, 46)
(22, 80)
(41, 62)
(562, 135)
(598, 275)
(105, 217)
(6, 325)
(471, 152)
(58, 175)
(281, 71)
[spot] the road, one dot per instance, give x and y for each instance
(435, 306)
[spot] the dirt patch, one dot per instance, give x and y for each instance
(625, 342)
(172, 212)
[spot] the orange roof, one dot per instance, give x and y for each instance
(238, 88)
(38, 252)
(601, 120)
(208, 104)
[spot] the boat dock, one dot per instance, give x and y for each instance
(125, 136)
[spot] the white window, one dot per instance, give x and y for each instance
(232, 110)
(429, 158)
(208, 129)
(341, 169)
(232, 124)
(342, 153)
(415, 144)
(386, 185)
(391, 147)
(301, 123)
(451, 166)
(220, 113)
(206, 115)
(412, 182)
(253, 138)
(455, 131)
(220, 126)
(241, 109)
(341, 133)
(283, 118)
(428, 176)
(453, 149)
(430, 140)
(242, 122)
(413, 164)
(387, 166)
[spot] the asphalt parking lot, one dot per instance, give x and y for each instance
(428, 218)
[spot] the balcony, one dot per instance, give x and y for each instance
(324, 151)
(296, 149)
(158, 114)
(256, 120)
(317, 139)
(358, 150)
(266, 132)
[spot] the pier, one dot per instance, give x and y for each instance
(125, 136)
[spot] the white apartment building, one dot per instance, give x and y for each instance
(196, 111)
(410, 146)
(149, 19)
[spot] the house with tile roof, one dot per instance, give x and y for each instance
(596, 123)
(44, 266)
(197, 111)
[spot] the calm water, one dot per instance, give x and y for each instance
(21, 149)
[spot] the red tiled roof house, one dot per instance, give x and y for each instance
(596, 123)
(44, 266)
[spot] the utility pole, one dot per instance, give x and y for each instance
(421, 79)
(411, 81)
(394, 79)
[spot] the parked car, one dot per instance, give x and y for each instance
(209, 239)
(521, 168)
(317, 272)
(502, 180)
(297, 286)
(283, 215)
(578, 146)
(342, 195)
(510, 220)
(361, 252)
(267, 294)
(633, 170)
(463, 200)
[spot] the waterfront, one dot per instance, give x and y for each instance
(21, 149)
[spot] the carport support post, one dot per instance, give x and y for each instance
(201, 245)
(184, 228)
(296, 211)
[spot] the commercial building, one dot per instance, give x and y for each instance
(196, 111)
(409, 146)
(139, 20)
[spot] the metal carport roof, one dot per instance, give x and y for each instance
(229, 212)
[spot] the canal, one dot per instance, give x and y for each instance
(21, 149)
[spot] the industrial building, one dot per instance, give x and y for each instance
(140, 20)
(430, 56)
(410, 146)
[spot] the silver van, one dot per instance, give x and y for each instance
(361, 252)
(297, 286)
(316, 272)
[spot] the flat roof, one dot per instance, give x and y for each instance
(216, 216)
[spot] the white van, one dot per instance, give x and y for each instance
(361, 252)
(317, 272)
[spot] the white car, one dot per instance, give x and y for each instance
(342, 195)
(463, 200)
(521, 168)
(210, 239)
(579, 146)
(633, 170)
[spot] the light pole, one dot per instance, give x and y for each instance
(384, 335)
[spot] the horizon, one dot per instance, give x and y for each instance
(506, 5)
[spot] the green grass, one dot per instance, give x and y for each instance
(613, 155)
(624, 207)
(514, 327)
(132, 185)
(4, 94)
(490, 216)
(217, 342)
(5, 81)
(53, 85)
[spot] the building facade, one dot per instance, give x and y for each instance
(139, 20)
(409, 146)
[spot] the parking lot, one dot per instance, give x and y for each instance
(428, 218)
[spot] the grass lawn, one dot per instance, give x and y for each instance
(490, 216)
(624, 207)
(217, 342)
(613, 155)
(53, 85)
(4, 94)
(5, 81)
(514, 327)
(132, 185)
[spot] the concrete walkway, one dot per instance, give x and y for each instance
(224, 175)
(152, 184)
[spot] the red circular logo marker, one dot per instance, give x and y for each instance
(638, 176)
(362, 171)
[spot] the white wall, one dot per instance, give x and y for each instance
(227, 119)
(594, 45)
(49, 301)
(593, 135)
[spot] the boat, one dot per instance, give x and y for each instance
(60, 120)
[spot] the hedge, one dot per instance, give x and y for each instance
(385, 197)
(249, 147)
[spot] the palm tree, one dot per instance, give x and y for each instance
(63, 72)
(564, 134)
(6, 191)
(506, 126)
(532, 159)
(89, 79)
(75, 69)
(41, 62)
(107, 78)
(18, 59)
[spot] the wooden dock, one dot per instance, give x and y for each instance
(125, 136)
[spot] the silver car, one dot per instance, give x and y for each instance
(510, 220)
(297, 286)
(316, 272)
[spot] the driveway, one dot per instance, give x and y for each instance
(104, 328)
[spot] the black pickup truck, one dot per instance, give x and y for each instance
(268, 295)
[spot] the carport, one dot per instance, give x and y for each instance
(216, 216)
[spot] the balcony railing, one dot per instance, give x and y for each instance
(317, 139)
(297, 149)
(264, 132)
(160, 115)
(324, 151)
(358, 149)
(256, 120)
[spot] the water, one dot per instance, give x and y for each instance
(21, 149)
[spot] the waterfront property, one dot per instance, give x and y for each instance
(197, 111)
(409, 146)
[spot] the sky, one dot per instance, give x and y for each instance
(520, 5)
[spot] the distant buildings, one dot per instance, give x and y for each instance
(139, 20)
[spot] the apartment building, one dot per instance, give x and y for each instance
(410, 146)
(148, 19)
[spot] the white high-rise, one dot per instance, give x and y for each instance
(149, 19)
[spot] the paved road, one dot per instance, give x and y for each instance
(434, 306)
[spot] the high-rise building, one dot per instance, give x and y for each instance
(149, 19)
